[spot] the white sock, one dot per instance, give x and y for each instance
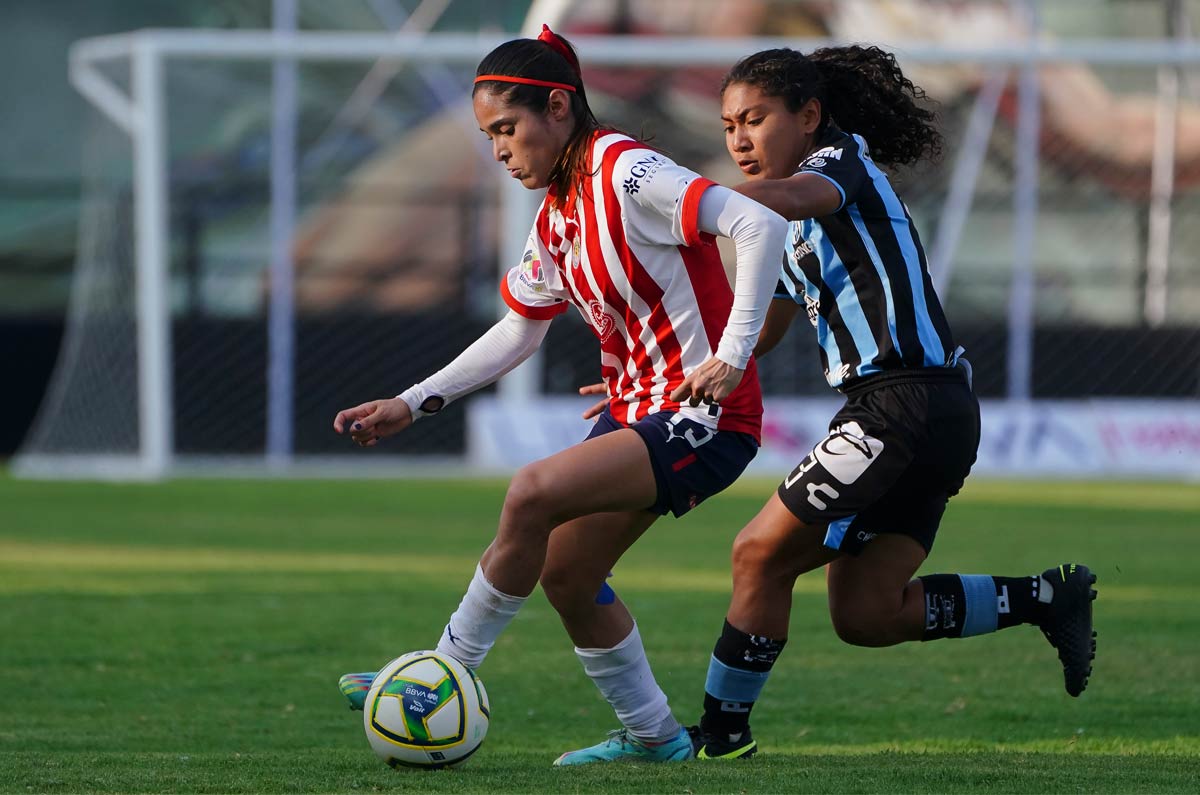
(481, 616)
(623, 675)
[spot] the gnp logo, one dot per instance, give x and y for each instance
(642, 169)
(847, 452)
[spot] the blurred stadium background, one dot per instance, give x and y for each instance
(212, 240)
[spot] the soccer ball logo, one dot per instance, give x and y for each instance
(425, 710)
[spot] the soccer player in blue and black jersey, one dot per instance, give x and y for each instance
(810, 132)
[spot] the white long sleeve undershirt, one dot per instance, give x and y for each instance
(759, 235)
(500, 349)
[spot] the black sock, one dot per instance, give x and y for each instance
(736, 674)
(962, 605)
(1017, 600)
(945, 606)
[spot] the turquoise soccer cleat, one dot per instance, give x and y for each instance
(620, 747)
(354, 688)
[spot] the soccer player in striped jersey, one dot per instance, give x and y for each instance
(626, 237)
(808, 132)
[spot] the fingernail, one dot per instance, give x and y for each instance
(358, 426)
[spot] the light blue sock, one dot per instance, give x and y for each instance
(982, 611)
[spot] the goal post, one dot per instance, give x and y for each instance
(124, 78)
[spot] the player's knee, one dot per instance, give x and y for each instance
(564, 591)
(756, 556)
(530, 495)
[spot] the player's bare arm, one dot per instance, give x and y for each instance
(797, 197)
(779, 319)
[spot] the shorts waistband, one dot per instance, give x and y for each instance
(924, 375)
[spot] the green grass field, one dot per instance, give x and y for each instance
(188, 637)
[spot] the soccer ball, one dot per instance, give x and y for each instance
(426, 710)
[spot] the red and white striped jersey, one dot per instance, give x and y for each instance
(627, 251)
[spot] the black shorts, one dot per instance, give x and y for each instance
(898, 450)
(690, 462)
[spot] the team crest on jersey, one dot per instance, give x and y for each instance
(603, 322)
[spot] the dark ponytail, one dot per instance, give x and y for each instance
(548, 58)
(862, 89)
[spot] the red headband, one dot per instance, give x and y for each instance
(556, 43)
(529, 81)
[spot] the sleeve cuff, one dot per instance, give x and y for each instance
(546, 312)
(415, 397)
(727, 351)
(834, 183)
(690, 210)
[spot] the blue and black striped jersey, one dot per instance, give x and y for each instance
(861, 272)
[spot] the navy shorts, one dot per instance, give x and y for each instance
(691, 462)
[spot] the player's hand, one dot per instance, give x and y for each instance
(598, 408)
(711, 382)
(374, 420)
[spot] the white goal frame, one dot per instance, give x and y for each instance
(140, 113)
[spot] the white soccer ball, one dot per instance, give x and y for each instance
(426, 710)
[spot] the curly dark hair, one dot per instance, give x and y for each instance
(536, 59)
(862, 89)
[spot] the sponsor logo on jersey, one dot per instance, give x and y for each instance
(799, 248)
(603, 322)
(843, 374)
(825, 153)
(812, 307)
(643, 169)
(820, 158)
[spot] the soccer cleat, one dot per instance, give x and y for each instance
(708, 746)
(620, 747)
(1068, 622)
(354, 688)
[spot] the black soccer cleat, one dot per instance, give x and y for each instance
(1068, 622)
(708, 746)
